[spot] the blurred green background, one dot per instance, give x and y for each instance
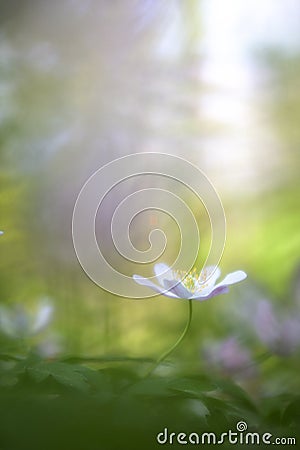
(83, 83)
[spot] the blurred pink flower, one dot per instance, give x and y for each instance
(230, 357)
(281, 336)
(190, 285)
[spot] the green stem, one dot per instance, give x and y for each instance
(179, 340)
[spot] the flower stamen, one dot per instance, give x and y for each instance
(193, 280)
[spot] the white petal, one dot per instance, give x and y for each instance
(233, 278)
(212, 274)
(212, 291)
(163, 271)
(6, 323)
(146, 282)
(43, 317)
(217, 290)
(177, 288)
(207, 279)
(22, 321)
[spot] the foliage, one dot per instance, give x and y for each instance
(56, 404)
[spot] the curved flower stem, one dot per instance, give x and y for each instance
(174, 346)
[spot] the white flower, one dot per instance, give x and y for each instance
(50, 347)
(19, 323)
(1, 232)
(190, 285)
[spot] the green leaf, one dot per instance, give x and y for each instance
(291, 413)
(191, 387)
(8, 379)
(236, 393)
(64, 374)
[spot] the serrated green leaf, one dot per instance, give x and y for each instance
(64, 374)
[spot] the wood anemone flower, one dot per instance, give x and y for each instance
(190, 285)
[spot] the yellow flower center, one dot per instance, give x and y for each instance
(193, 280)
